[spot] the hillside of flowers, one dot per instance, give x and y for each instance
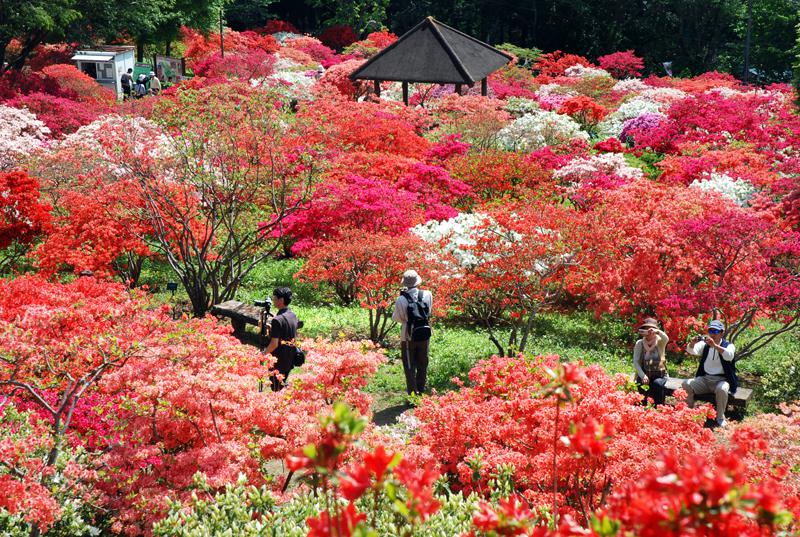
(575, 186)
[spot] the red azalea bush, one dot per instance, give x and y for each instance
(23, 214)
(62, 116)
(624, 64)
(245, 65)
(311, 46)
(70, 79)
(365, 126)
(274, 26)
(338, 36)
(555, 63)
(337, 78)
(365, 266)
(200, 46)
(584, 110)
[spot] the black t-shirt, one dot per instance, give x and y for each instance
(284, 327)
(126, 80)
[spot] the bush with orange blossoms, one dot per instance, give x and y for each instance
(86, 88)
(555, 63)
(385, 127)
(596, 440)
(493, 174)
(584, 110)
(623, 64)
(371, 45)
(199, 46)
(102, 231)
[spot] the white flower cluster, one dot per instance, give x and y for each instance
(519, 106)
(538, 129)
(581, 71)
(458, 235)
(21, 133)
(630, 85)
(664, 96)
(607, 163)
(553, 89)
(739, 190)
(292, 84)
(144, 136)
(613, 124)
(724, 91)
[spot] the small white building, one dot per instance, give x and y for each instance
(106, 64)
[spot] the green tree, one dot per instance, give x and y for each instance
(771, 41)
(362, 15)
(32, 22)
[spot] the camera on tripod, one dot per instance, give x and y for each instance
(266, 304)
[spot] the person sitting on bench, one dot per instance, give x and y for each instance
(717, 371)
(649, 360)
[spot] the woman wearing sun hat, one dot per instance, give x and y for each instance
(650, 362)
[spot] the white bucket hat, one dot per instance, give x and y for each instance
(411, 279)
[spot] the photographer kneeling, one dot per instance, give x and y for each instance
(283, 332)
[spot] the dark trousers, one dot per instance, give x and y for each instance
(283, 365)
(656, 390)
(415, 364)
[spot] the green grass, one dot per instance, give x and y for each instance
(456, 348)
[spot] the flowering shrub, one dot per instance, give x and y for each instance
(538, 129)
(21, 134)
(251, 64)
(622, 64)
(636, 130)
(556, 63)
(23, 214)
(86, 89)
(738, 190)
(61, 116)
(338, 36)
(337, 77)
(366, 267)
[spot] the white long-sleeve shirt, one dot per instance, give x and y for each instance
(713, 364)
(400, 313)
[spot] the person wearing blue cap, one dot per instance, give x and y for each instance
(717, 371)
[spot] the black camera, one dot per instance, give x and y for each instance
(266, 303)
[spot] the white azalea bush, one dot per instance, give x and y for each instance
(538, 129)
(21, 133)
(738, 190)
(519, 106)
(581, 71)
(630, 85)
(606, 163)
(611, 127)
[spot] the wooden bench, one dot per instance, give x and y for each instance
(738, 400)
(241, 315)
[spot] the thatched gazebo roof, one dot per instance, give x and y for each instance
(432, 52)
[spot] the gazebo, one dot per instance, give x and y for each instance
(433, 53)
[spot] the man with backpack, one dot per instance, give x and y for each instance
(412, 310)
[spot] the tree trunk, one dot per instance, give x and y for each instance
(168, 47)
(140, 50)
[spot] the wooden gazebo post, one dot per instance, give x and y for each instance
(377, 87)
(405, 92)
